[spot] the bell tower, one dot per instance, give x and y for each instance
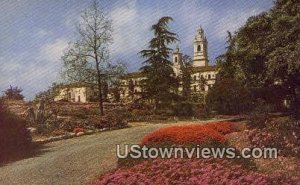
(200, 49)
(177, 57)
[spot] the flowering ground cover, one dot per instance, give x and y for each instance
(223, 127)
(198, 171)
(190, 134)
(190, 171)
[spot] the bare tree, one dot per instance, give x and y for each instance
(87, 59)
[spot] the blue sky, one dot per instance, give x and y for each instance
(34, 33)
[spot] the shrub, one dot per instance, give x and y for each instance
(190, 171)
(116, 118)
(67, 125)
(57, 132)
(222, 127)
(183, 109)
(78, 129)
(75, 113)
(280, 133)
(229, 96)
(201, 111)
(99, 122)
(183, 135)
(14, 137)
(259, 116)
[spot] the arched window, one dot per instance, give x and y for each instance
(175, 59)
(195, 78)
(199, 48)
(209, 76)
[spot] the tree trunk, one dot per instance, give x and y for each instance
(100, 96)
(99, 86)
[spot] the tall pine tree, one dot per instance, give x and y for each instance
(185, 77)
(160, 84)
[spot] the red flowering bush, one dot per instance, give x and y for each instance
(191, 171)
(183, 135)
(222, 127)
(190, 134)
(78, 129)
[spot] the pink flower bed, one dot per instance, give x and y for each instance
(190, 171)
(263, 138)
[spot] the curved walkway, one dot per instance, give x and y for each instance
(74, 161)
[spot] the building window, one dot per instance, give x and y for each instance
(198, 48)
(175, 59)
(195, 88)
(195, 78)
(208, 76)
(202, 88)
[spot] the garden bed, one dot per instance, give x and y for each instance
(283, 170)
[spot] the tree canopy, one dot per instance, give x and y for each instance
(160, 84)
(87, 59)
(13, 93)
(265, 52)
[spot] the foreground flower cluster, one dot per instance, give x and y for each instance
(190, 171)
(263, 138)
(190, 134)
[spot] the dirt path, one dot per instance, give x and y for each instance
(74, 161)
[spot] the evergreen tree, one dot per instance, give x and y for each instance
(185, 67)
(160, 84)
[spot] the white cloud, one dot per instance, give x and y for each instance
(127, 37)
(31, 72)
(30, 75)
(53, 51)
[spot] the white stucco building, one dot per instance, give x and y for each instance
(200, 71)
(131, 86)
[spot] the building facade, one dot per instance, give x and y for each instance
(203, 78)
(203, 75)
